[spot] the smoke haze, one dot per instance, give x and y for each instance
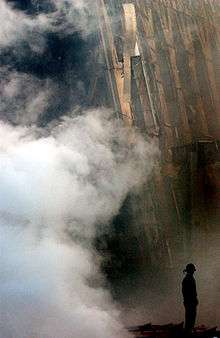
(30, 21)
(46, 53)
(59, 190)
(55, 191)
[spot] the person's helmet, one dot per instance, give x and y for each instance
(190, 268)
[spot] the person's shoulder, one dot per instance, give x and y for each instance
(188, 278)
(184, 279)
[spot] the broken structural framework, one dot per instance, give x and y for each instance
(163, 73)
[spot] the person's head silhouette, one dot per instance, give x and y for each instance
(190, 269)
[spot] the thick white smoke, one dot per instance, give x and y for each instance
(55, 192)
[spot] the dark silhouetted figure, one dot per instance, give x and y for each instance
(190, 298)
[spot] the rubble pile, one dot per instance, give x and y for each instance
(171, 331)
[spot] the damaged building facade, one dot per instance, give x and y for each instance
(162, 62)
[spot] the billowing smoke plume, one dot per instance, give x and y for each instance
(58, 191)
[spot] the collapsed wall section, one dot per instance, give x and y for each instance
(165, 77)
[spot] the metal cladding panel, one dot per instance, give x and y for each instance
(130, 28)
(142, 112)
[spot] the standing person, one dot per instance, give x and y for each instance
(190, 297)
